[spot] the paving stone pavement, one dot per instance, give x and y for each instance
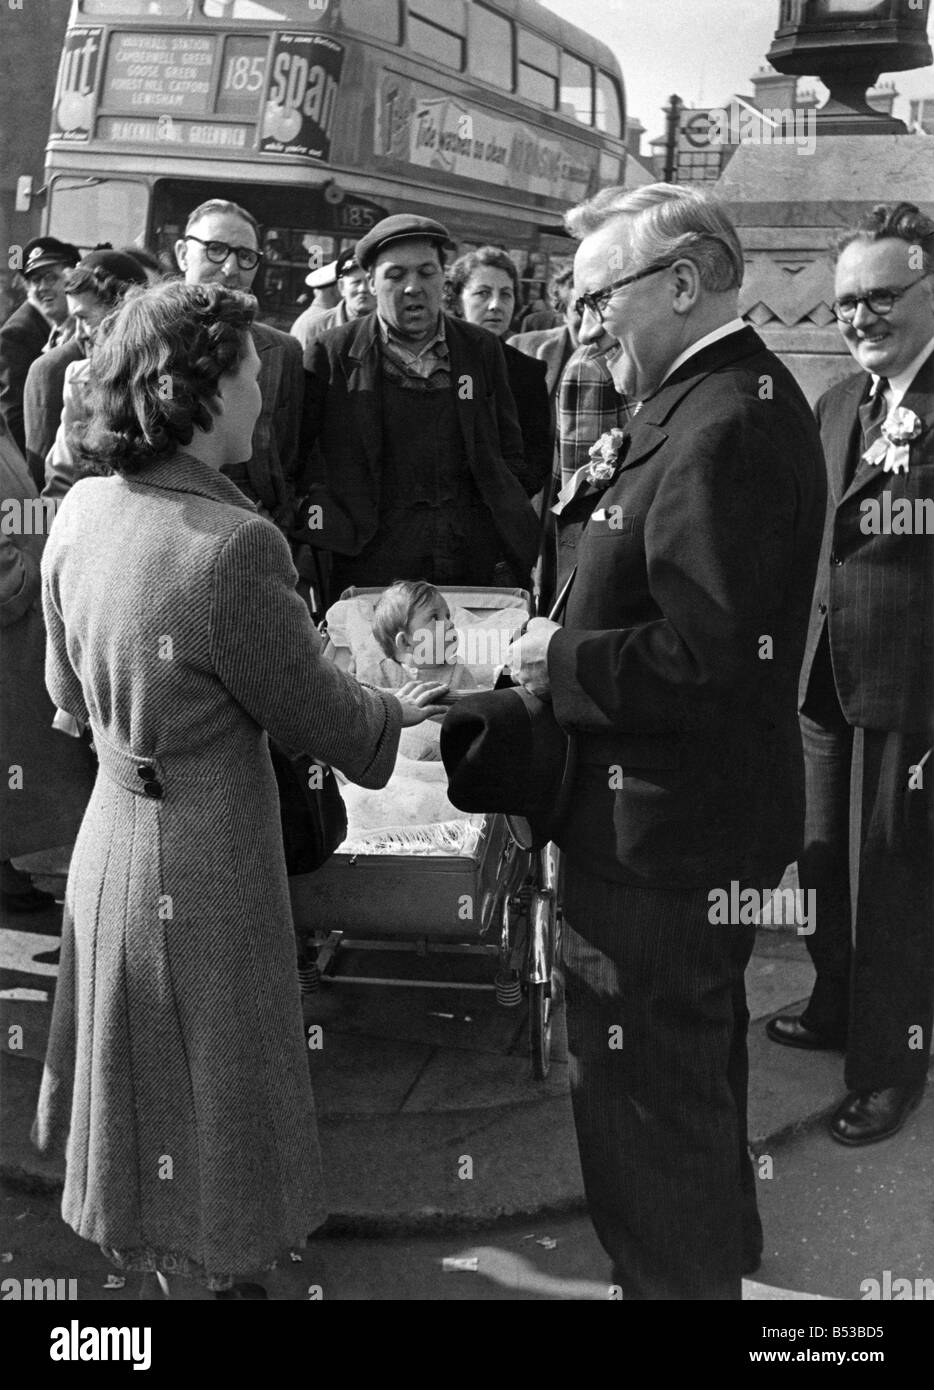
(411, 1082)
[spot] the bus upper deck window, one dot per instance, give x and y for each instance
(609, 115)
(136, 9)
(491, 47)
(538, 70)
(265, 11)
(436, 28)
(378, 18)
(576, 98)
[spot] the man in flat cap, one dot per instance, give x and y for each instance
(423, 469)
(26, 332)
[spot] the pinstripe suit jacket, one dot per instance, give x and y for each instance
(875, 592)
(689, 757)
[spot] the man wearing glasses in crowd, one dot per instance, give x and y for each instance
(867, 687)
(221, 246)
(677, 669)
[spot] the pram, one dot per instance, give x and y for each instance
(468, 885)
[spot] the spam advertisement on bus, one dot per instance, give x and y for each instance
(185, 89)
(422, 126)
(302, 96)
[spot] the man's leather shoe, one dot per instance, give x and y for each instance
(866, 1116)
(791, 1032)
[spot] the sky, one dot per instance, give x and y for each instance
(704, 50)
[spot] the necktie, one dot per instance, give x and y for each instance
(877, 413)
(872, 415)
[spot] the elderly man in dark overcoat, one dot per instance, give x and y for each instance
(677, 671)
(423, 468)
(867, 688)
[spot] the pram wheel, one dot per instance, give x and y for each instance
(540, 1029)
(543, 923)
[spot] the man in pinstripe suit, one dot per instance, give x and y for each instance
(677, 671)
(867, 687)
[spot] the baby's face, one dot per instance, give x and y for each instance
(432, 635)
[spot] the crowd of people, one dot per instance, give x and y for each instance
(705, 535)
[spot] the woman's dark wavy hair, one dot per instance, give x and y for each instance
(460, 272)
(902, 220)
(155, 371)
(106, 288)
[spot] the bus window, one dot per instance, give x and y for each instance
(295, 11)
(136, 9)
(92, 210)
(609, 116)
(576, 89)
(491, 47)
(436, 29)
(610, 166)
(379, 18)
(538, 70)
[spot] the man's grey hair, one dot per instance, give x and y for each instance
(221, 205)
(590, 216)
(666, 222)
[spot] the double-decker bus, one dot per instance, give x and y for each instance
(323, 116)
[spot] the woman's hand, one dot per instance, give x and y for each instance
(420, 700)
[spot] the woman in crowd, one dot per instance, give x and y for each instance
(177, 1058)
(482, 287)
(94, 289)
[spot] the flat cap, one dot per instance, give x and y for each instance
(44, 251)
(400, 227)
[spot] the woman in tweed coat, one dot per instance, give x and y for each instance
(177, 1064)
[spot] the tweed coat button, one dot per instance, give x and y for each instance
(146, 772)
(835, 559)
(822, 608)
(153, 788)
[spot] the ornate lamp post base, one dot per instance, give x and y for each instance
(847, 44)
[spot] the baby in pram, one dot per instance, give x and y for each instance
(412, 624)
(409, 631)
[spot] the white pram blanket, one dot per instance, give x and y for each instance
(410, 815)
